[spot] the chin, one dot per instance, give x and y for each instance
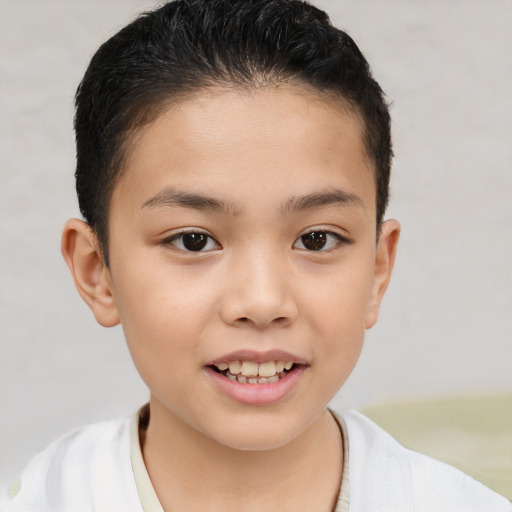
(257, 434)
(256, 441)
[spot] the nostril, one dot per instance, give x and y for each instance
(244, 320)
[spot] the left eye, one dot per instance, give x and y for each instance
(193, 242)
(318, 241)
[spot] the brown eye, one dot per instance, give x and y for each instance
(315, 240)
(193, 242)
(320, 241)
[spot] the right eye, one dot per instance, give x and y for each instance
(193, 241)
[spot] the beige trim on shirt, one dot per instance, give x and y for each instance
(344, 494)
(148, 498)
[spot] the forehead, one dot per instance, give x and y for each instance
(276, 140)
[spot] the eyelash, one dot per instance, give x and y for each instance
(207, 239)
(179, 236)
(339, 240)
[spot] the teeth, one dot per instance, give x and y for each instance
(253, 380)
(244, 369)
(235, 367)
(267, 369)
(249, 369)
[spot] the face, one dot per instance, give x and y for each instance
(243, 261)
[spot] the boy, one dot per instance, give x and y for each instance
(233, 163)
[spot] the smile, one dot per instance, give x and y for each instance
(257, 378)
(251, 372)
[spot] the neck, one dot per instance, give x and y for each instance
(191, 471)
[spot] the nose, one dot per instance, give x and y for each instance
(259, 293)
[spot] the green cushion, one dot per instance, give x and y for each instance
(472, 433)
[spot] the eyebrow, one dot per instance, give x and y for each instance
(317, 200)
(171, 197)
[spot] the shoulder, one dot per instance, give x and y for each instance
(383, 472)
(79, 472)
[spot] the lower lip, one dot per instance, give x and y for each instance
(258, 394)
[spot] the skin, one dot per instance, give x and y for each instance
(255, 287)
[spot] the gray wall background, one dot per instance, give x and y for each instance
(445, 326)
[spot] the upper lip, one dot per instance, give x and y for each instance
(258, 357)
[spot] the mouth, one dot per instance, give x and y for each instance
(257, 378)
(251, 372)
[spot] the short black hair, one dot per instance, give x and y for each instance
(188, 45)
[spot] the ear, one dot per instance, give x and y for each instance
(384, 261)
(92, 278)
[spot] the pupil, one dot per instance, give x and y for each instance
(194, 241)
(314, 241)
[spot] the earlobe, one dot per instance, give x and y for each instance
(384, 262)
(92, 278)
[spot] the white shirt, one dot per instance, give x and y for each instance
(100, 468)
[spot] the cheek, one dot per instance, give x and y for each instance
(162, 312)
(338, 306)
(339, 330)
